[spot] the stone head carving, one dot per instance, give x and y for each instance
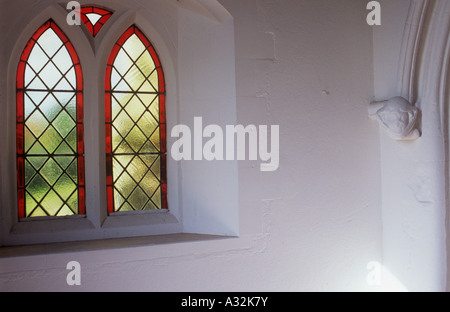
(398, 117)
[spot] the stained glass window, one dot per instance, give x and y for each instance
(94, 18)
(135, 126)
(50, 148)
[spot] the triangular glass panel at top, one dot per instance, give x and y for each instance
(94, 18)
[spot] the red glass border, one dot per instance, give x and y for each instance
(20, 120)
(94, 29)
(108, 120)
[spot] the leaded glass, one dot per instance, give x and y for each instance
(135, 126)
(94, 18)
(50, 151)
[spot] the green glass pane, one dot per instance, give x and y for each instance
(29, 172)
(148, 159)
(65, 187)
(65, 211)
(37, 161)
(147, 124)
(71, 139)
(146, 64)
(52, 203)
(157, 198)
(134, 78)
(64, 124)
(123, 123)
(29, 139)
(30, 204)
(37, 123)
(147, 87)
(136, 139)
(149, 148)
(154, 79)
(51, 171)
(50, 139)
(150, 206)
(115, 108)
(124, 148)
(124, 160)
(38, 212)
(134, 47)
(149, 183)
(38, 187)
(72, 171)
(71, 107)
(64, 149)
(125, 208)
(73, 202)
(137, 169)
(155, 138)
(148, 99)
(135, 108)
(138, 199)
(122, 98)
(50, 107)
(125, 184)
(122, 63)
(116, 139)
(118, 200)
(37, 149)
(156, 169)
(117, 169)
(154, 108)
(64, 161)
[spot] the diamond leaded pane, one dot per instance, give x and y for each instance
(135, 126)
(49, 127)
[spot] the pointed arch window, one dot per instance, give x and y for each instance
(94, 18)
(135, 126)
(50, 143)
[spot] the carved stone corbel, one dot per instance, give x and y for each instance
(398, 117)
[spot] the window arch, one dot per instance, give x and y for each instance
(135, 126)
(50, 144)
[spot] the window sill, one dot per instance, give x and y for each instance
(105, 244)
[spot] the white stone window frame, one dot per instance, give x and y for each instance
(197, 201)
